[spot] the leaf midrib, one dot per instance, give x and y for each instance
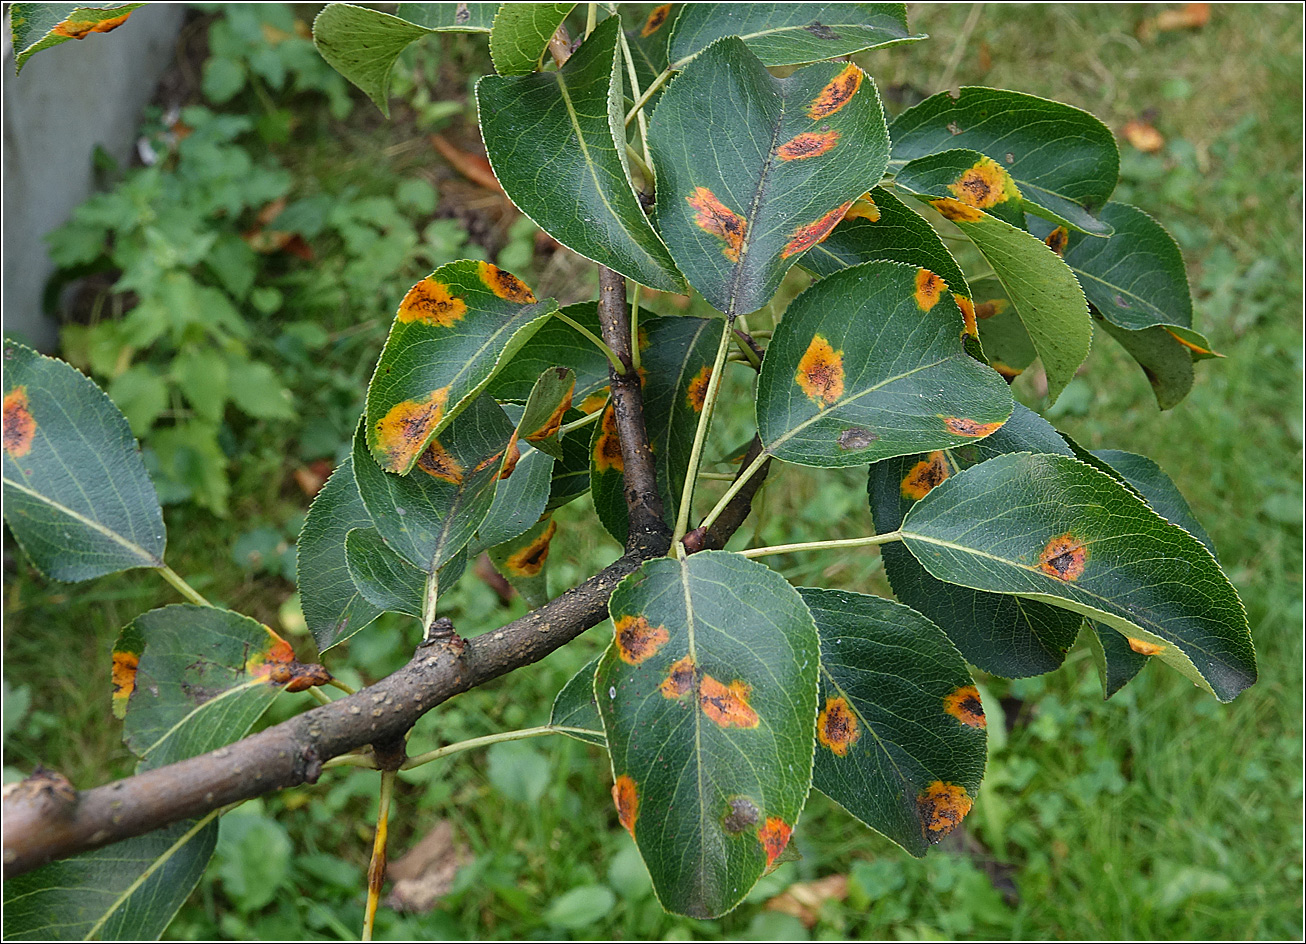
(149, 559)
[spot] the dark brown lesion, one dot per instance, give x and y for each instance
(679, 680)
(655, 19)
(856, 437)
(941, 807)
(1057, 240)
(607, 449)
(1064, 557)
(716, 218)
(820, 372)
(436, 461)
(741, 814)
(836, 726)
(929, 289)
(19, 424)
(964, 704)
(530, 560)
(808, 144)
(637, 640)
(836, 94)
(504, 284)
(811, 234)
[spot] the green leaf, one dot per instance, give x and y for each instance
(383, 577)
(431, 514)
(452, 17)
(785, 34)
(571, 474)
(677, 360)
(868, 364)
(141, 394)
(548, 403)
(900, 734)
(201, 375)
(885, 228)
(968, 177)
(707, 695)
(1166, 363)
(76, 494)
(752, 171)
(1006, 342)
(523, 559)
(581, 907)
(257, 392)
(453, 331)
(519, 501)
(334, 607)
(556, 344)
(648, 49)
(363, 46)
(127, 891)
(557, 143)
(1053, 529)
(576, 707)
(1005, 635)
(1117, 663)
(521, 32)
(1064, 160)
(37, 26)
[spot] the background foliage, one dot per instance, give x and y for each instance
(1109, 819)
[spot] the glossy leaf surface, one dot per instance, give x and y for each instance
(38, 26)
(556, 141)
(707, 696)
(453, 331)
(76, 493)
(576, 707)
(363, 46)
(783, 34)
(1063, 159)
(557, 344)
(548, 403)
(521, 32)
(1005, 635)
(1052, 529)
(524, 559)
(900, 738)
(868, 363)
(752, 171)
(383, 577)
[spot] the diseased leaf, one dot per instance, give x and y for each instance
(900, 738)
(521, 32)
(557, 344)
(571, 474)
(523, 561)
(76, 493)
(1006, 342)
(557, 143)
(334, 607)
(453, 331)
(548, 403)
(576, 707)
(1053, 529)
(968, 177)
(868, 363)
(752, 171)
(363, 46)
(519, 501)
(383, 577)
(677, 364)
(784, 34)
(1064, 160)
(707, 695)
(1166, 362)
(648, 48)
(1005, 635)
(1117, 662)
(38, 26)
(452, 17)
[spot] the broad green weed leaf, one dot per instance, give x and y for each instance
(1005, 635)
(1064, 160)
(363, 46)
(523, 561)
(900, 736)
(521, 32)
(451, 17)
(576, 707)
(38, 26)
(453, 331)
(785, 34)
(868, 363)
(557, 143)
(76, 494)
(707, 695)
(334, 607)
(752, 171)
(1053, 529)
(383, 577)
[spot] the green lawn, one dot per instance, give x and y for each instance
(1159, 814)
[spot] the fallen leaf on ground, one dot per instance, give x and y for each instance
(425, 873)
(1141, 135)
(804, 900)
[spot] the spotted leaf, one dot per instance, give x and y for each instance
(453, 17)
(898, 715)
(711, 732)
(523, 560)
(521, 32)
(38, 26)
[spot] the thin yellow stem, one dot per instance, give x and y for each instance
(578, 424)
(376, 868)
(351, 760)
(822, 545)
(653, 86)
(185, 589)
(321, 697)
(344, 687)
(597, 341)
(591, 18)
(635, 93)
(634, 326)
(473, 743)
(700, 434)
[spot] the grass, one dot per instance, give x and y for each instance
(1159, 814)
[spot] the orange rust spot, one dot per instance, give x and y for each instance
(279, 666)
(430, 303)
(607, 450)
(968, 314)
(719, 220)
(1006, 370)
(19, 424)
(530, 560)
(1064, 557)
(505, 284)
(124, 678)
(924, 475)
(774, 836)
(836, 726)
(594, 401)
(655, 19)
(436, 461)
(402, 433)
(985, 185)
(805, 237)
(1058, 239)
(994, 306)
(942, 807)
(727, 705)
(80, 29)
(554, 422)
(964, 704)
(1190, 345)
(626, 797)
(696, 395)
(637, 640)
(514, 455)
(1144, 648)
(961, 426)
(820, 372)
(863, 208)
(679, 680)
(956, 211)
(929, 289)
(808, 144)
(836, 94)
